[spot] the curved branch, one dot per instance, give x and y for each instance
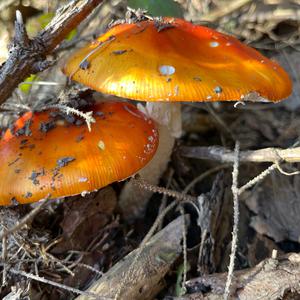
(222, 154)
(28, 56)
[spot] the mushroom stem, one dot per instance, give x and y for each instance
(165, 114)
(133, 199)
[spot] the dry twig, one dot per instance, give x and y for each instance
(222, 154)
(161, 190)
(235, 193)
(59, 285)
(29, 56)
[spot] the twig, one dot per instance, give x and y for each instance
(235, 193)
(274, 155)
(21, 33)
(90, 268)
(29, 56)
(55, 260)
(258, 178)
(226, 155)
(87, 116)
(161, 190)
(59, 285)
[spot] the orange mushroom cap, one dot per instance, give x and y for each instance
(175, 60)
(63, 159)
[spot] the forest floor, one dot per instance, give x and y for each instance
(54, 246)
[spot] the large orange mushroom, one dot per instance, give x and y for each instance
(175, 60)
(46, 155)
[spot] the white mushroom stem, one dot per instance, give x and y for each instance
(133, 200)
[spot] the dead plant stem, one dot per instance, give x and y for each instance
(56, 284)
(235, 193)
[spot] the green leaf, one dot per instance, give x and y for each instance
(168, 8)
(25, 88)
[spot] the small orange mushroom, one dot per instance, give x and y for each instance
(47, 155)
(174, 60)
